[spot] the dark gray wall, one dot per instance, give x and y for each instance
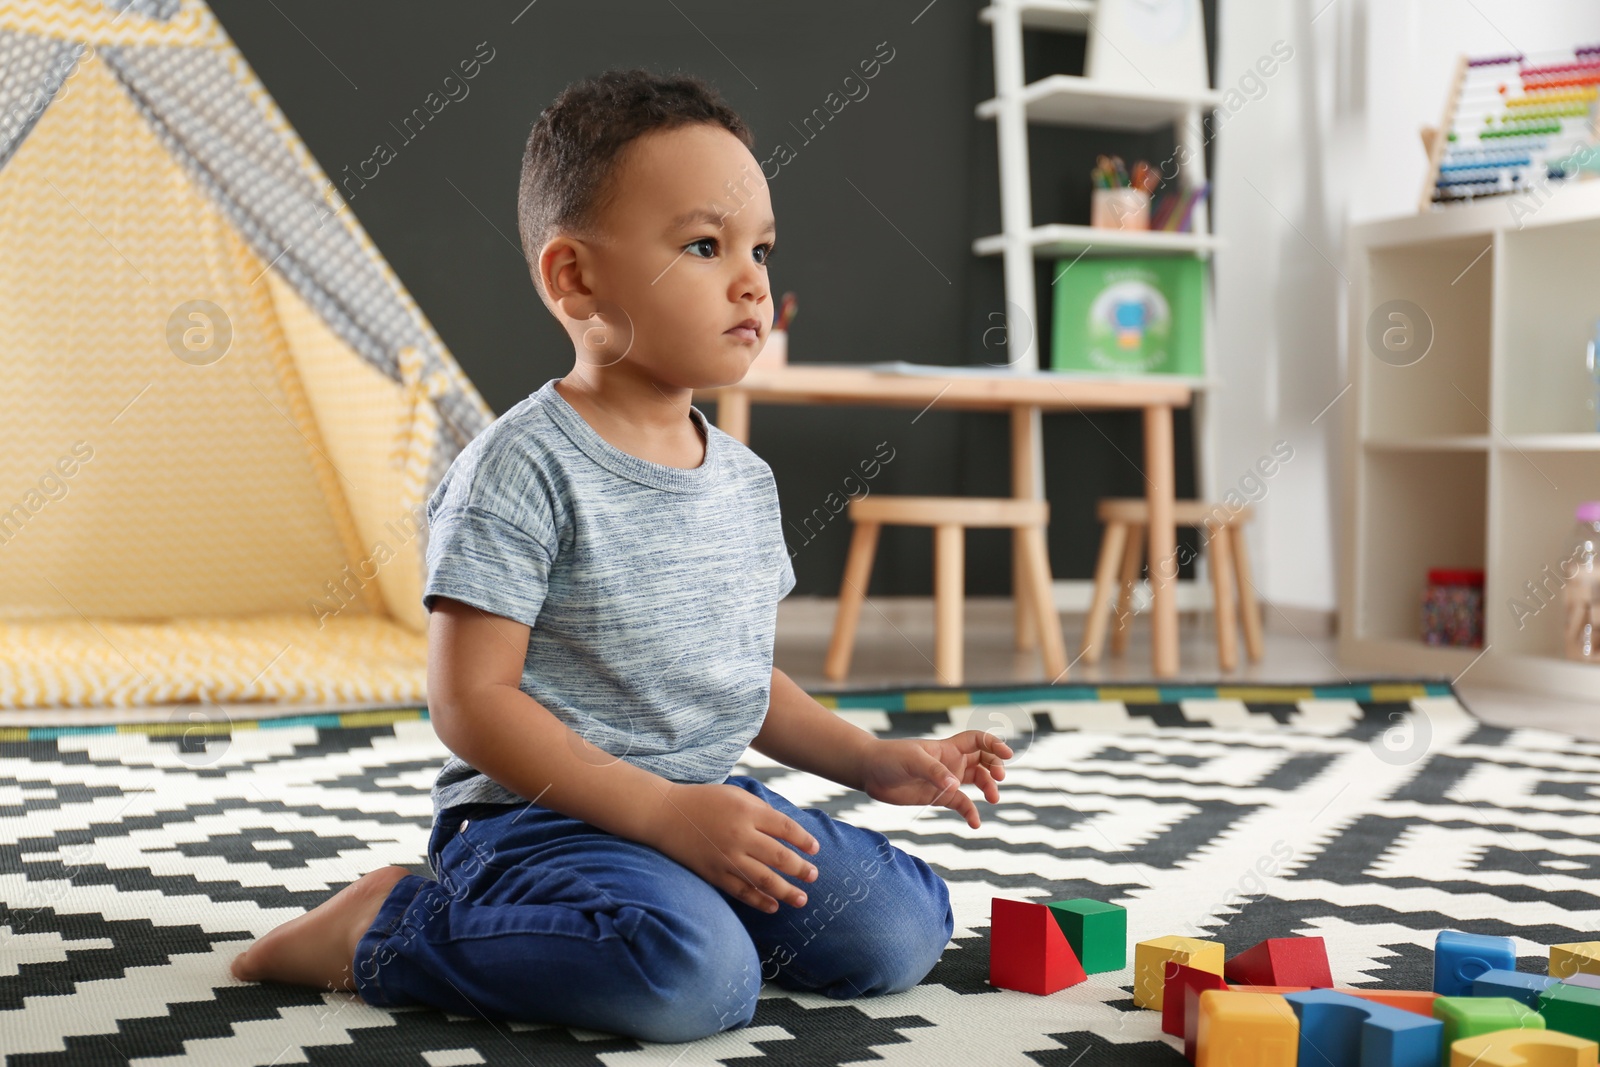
(876, 214)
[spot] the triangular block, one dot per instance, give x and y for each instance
(1282, 961)
(1027, 950)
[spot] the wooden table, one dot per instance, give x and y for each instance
(1025, 396)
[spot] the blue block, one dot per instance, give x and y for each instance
(1338, 1030)
(1460, 958)
(1513, 984)
(1591, 981)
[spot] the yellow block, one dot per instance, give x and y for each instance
(1524, 1048)
(1150, 960)
(1246, 1030)
(1581, 957)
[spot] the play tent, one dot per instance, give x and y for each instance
(221, 414)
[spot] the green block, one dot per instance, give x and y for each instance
(1572, 1009)
(1471, 1016)
(1097, 932)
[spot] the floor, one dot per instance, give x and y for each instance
(894, 647)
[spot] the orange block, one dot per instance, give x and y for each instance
(1415, 1001)
(1239, 1029)
(1027, 950)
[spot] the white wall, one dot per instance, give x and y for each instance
(1329, 138)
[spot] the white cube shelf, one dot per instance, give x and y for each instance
(1476, 454)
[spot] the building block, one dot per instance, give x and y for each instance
(1514, 984)
(1282, 961)
(1524, 1048)
(1459, 958)
(1174, 1003)
(1588, 981)
(1245, 1030)
(1097, 932)
(1344, 1031)
(1416, 1001)
(1581, 957)
(1153, 960)
(1471, 1016)
(1571, 1009)
(1027, 950)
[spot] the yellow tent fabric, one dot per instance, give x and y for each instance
(177, 526)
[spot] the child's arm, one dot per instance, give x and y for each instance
(801, 733)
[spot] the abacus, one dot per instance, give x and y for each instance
(1512, 123)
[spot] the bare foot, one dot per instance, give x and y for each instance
(318, 948)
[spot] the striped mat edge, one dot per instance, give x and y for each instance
(891, 700)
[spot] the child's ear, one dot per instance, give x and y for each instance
(561, 266)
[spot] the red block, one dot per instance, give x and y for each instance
(1282, 961)
(1191, 1020)
(1028, 951)
(1174, 1005)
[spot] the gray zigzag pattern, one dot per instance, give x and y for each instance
(32, 70)
(201, 112)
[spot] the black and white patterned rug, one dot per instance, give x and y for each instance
(136, 861)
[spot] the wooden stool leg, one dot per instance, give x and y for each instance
(1105, 577)
(1053, 646)
(1249, 606)
(1132, 564)
(1222, 583)
(852, 593)
(1021, 609)
(948, 548)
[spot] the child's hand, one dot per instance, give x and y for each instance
(909, 771)
(735, 841)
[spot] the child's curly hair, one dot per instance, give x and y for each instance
(573, 149)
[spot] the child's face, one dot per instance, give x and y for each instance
(681, 260)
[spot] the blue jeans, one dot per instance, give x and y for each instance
(540, 917)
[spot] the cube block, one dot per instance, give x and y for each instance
(1471, 1016)
(1153, 961)
(1571, 1009)
(1097, 932)
(1258, 1029)
(1459, 958)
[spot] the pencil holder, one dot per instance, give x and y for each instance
(1120, 209)
(775, 353)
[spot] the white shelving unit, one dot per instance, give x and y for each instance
(1476, 455)
(1067, 100)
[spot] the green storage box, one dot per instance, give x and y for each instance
(1117, 315)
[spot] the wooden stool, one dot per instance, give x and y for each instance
(1123, 546)
(949, 516)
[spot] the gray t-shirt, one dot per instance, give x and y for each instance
(651, 591)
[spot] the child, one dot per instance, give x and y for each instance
(604, 568)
